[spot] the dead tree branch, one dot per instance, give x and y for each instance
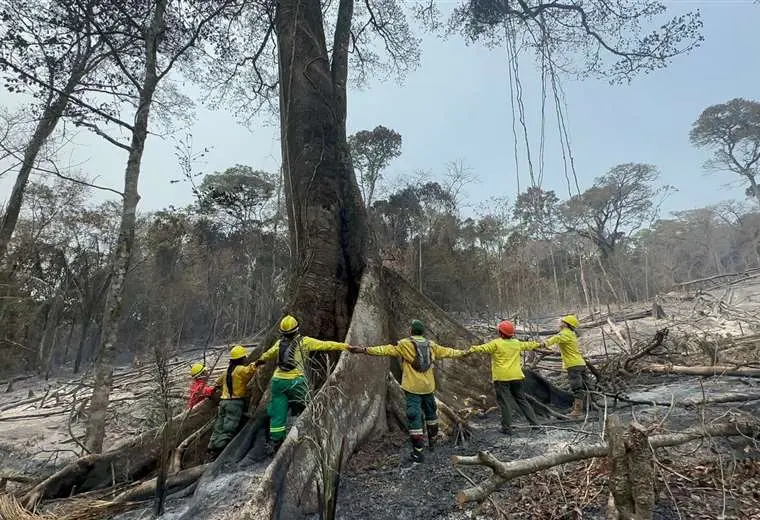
(503, 472)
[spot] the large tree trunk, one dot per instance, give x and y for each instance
(123, 255)
(325, 211)
(45, 126)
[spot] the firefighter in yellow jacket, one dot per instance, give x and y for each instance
(507, 374)
(572, 361)
(234, 383)
(288, 387)
(417, 354)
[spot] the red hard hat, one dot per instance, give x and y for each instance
(507, 328)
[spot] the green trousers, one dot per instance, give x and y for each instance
(227, 423)
(286, 394)
(417, 406)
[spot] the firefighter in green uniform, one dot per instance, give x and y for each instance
(418, 355)
(288, 387)
(234, 383)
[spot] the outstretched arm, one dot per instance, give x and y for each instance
(383, 350)
(486, 348)
(447, 352)
(269, 354)
(310, 344)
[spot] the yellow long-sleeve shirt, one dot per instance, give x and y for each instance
(241, 376)
(412, 381)
(568, 348)
(505, 357)
(306, 344)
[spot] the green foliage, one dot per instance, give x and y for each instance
(614, 39)
(732, 131)
(371, 152)
(241, 193)
(619, 203)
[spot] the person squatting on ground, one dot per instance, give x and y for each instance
(507, 374)
(288, 387)
(234, 383)
(572, 361)
(418, 355)
(199, 390)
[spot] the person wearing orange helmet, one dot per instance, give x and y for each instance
(507, 374)
(572, 361)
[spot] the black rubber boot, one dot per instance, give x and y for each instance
(418, 447)
(432, 432)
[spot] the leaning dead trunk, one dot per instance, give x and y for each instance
(103, 372)
(45, 126)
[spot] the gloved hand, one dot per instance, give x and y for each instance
(357, 350)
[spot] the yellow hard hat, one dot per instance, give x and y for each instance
(288, 324)
(197, 369)
(571, 320)
(238, 352)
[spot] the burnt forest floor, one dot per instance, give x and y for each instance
(379, 483)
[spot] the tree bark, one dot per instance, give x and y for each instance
(122, 257)
(350, 405)
(326, 216)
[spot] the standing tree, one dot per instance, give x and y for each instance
(168, 31)
(732, 131)
(55, 52)
(618, 203)
(371, 152)
(327, 219)
(328, 225)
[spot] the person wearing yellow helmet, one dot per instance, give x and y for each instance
(199, 390)
(572, 361)
(234, 385)
(288, 387)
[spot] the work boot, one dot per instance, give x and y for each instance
(577, 410)
(506, 431)
(432, 436)
(272, 447)
(417, 456)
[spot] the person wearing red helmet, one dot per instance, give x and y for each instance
(507, 374)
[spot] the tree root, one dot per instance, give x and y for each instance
(127, 462)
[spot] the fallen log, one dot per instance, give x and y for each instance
(506, 471)
(701, 370)
(721, 399)
(654, 343)
(615, 317)
(176, 464)
(175, 482)
(127, 462)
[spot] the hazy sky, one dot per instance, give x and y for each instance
(456, 107)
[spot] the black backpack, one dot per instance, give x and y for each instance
(423, 358)
(286, 357)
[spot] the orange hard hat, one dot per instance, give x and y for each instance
(507, 328)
